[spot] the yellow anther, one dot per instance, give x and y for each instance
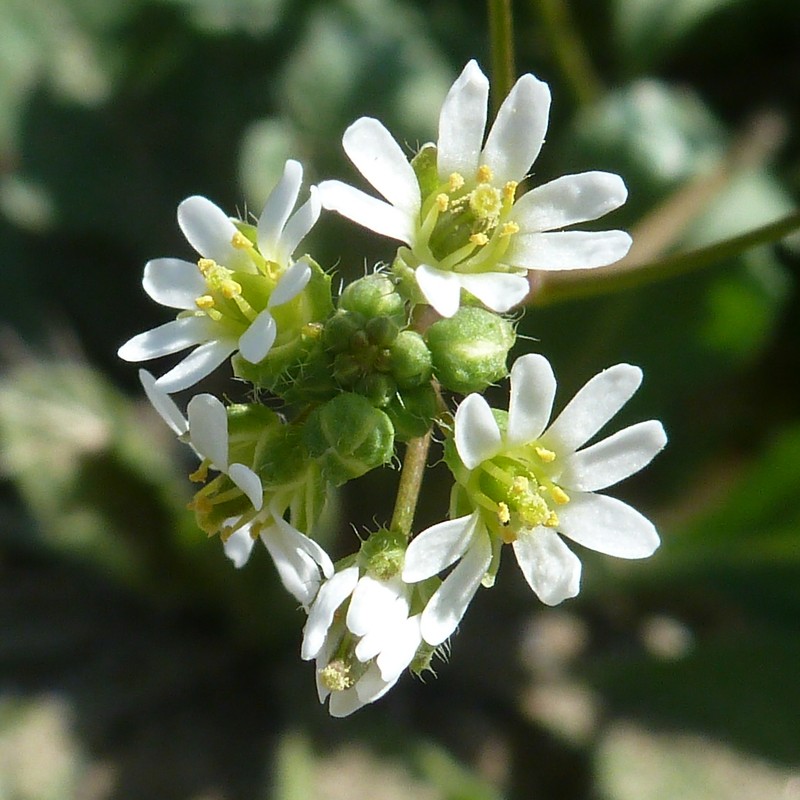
(230, 289)
(336, 676)
(442, 201)
(204, 302)
(509, 229)
(241, 242)
(479, 239)
(503, 514)
(201, 505)
(206, 266)
(485, 174)
(559, 495)
(455, 181)
(200, 474)
(544, 454)
(312, 330)
(509, 190)
(552, 520)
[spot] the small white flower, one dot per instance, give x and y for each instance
(384, 637)
(527, 483)
(467, 231)
(206, 430)
(226, 298)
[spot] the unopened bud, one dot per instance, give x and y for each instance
(411, 360)
(374, 296)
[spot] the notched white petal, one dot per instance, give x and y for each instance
(278, 207)
(608, 526)
(441, 289)
(518, 131)
(437, 547)
(202, 361)
(533, 389)
(551, 569)
(173, 282)
(477, 435)
(208, 229)
(297, 228)
(291, 283)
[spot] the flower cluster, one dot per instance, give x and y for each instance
(383, 363)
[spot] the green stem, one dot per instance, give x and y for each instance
(416, 457)
(569, 50)
(557, 287)
(502, 44)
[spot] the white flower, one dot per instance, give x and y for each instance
(527, 483)
(384, 637)
(206, 430)
(225, 299)
(465, 230)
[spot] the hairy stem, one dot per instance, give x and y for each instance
(414, 461)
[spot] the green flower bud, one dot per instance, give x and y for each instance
(411, 360)
(412, 412)
(469, 349)
(381, 331)
(347, 369)
(374, 296)
(348, 437)
(382, 555)
(338, 331)
(378, 388)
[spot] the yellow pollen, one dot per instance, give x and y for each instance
(204, 302)
(230, 289)
(509, 190)
(200, 474)
(455, 181)
(484, 174)
(479, 239)
(559, 495)
(442, 201)
(336, 676)
(509, 229)
(206, 265)
(240, 241)
(552, 520)
(485, 202)
(503, 514)
(544, 454)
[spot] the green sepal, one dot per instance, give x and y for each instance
(426, 169)
(469, 350)
(383, 554)
(348, 437)
(411, 363)
(412, 412)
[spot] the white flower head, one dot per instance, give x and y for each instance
(226, 300)
(527, 483)
(455, 205)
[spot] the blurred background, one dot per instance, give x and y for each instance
(135, 662)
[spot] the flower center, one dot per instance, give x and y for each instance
(516, 491)
(464, 223)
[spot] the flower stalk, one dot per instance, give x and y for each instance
(502, 41)
(414, 462)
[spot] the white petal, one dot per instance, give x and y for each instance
(298, 227)
(607, 525)
(400, 651)
(379, 158)
(499, 291)
(291, 283)
(163, 403)
(331, 595)
(202, 361)
(306, 545)
(518, 131)
(533, 388)
(567, 249)
(372, 686)
(441, 289)
(592, 407)
(462, 122)
(208, 429)
(249, 483)
(173, 282)
(238, 546)
(448, 604)
(168, 338)
(385, 630)
(257, 340)
(568, 200)
(437, 547)
(296, 569)
(343, 704)
(551, 569)
(368, 211)
(374, 600)
(615, 458)
(278, 207)
(209, 230)
(477, 435)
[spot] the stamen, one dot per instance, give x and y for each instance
(503, 514)
(509, 229)
(552, 520)
(485, 174)
(509, 190)
(206, 265)
(336, 676)
(204, 302)
(442, 201)
(544, 454)
(455, 181)
(479, 239)
(485, 202)
(559, 495)
(241, 242)
(200, 475)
